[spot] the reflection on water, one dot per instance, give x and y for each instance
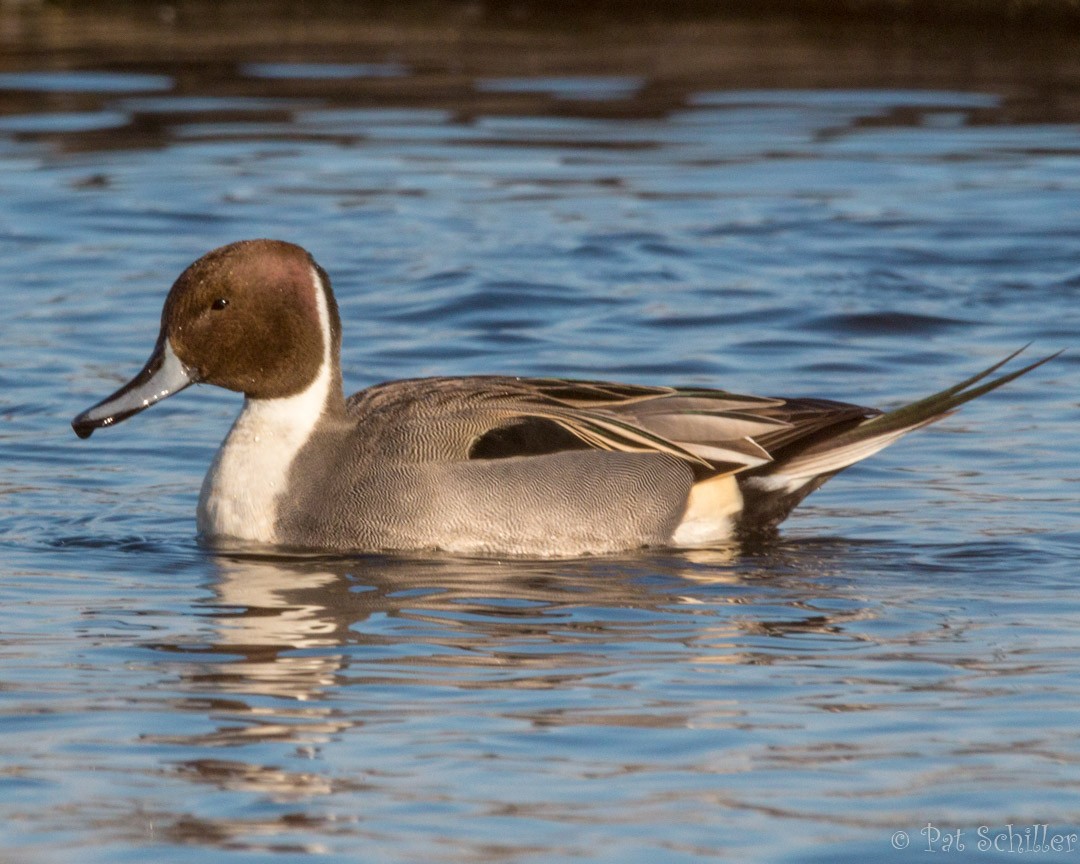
(314, 652)
(773, 205)
(265, 609)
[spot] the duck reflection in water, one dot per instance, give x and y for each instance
(309, 650)
(300, 628)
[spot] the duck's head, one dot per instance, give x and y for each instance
(256, 316)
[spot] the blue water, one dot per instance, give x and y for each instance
(906, 655)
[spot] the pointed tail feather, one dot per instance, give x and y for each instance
(805, 470)
(932, 408)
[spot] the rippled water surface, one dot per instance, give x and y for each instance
(553, 204)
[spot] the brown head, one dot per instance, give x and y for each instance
(256, 316)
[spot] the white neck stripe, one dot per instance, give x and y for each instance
(251, 470)
(324, 318)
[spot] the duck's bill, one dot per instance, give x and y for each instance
(162, 376)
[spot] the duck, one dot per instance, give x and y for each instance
(483, 464)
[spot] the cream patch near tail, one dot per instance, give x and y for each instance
(710, 514)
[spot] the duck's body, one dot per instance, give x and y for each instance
(482, 464)
(487, 464)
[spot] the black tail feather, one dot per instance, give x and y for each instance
(925, 411)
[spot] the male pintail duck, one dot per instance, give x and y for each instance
(483, 464)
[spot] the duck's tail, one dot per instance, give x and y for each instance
(771, 491)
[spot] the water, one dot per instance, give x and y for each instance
(906, 655)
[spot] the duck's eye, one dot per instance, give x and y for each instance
(219, 304)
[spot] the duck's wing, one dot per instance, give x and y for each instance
(714, 431)
(496, 417)
(711, 430)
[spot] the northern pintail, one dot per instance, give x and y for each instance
(481, 464)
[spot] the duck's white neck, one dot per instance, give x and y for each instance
(240, 493)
